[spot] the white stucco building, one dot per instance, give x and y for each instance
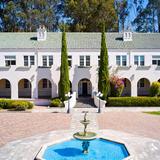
(29, 62)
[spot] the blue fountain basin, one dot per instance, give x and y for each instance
(99, 149)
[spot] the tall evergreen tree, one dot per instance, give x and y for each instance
(103, 81)
(64, 83)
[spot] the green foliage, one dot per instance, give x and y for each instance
(155, 89)
(24, 15)
(154, 113)
(88, 16)
(133, 101)
(56, 103)
(15, 104)
(117, 86)
(64, 83)
(103, 74)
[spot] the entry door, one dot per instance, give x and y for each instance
(84, 89)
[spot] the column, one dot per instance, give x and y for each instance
(134, 88)
(14, 90)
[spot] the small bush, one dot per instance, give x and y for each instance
(56, 103)
(15, 104)
(155, 89)
(133, 101)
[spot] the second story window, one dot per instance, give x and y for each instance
(47, 61)
(156, 60)
(70, 61)
(84, 61)
(121, 60)
(139, 60)
(10, 60)
(28, 60)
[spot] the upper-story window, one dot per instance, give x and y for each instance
(70, 61)
(29, 60)
(139, 60)
(10, 60)
(84, 61)
(47, 61)
(121, 60)
(156, 60)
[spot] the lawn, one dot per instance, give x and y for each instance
(154, 112)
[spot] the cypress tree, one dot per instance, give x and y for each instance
(103, 82)
(64, 84)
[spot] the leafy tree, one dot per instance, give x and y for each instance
(64, 83)
(88, 15)
(103, 82)
(24, 15)
(122, 9)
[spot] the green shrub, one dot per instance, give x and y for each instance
(133, 101)
(155, 89)
(56, 103)
(19, 105)
(15, 104)
(5, 103)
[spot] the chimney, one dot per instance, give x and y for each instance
(127, 36)
(41, 33)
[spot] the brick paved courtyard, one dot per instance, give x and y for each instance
(15, 126)
(136, 123)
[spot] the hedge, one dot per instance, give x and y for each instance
(133, 101)
(56, 103)
(18, 105)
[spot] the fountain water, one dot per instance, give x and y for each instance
(85, 136)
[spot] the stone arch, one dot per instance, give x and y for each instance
(84, 87)
(5, 88)
(24, 88)
(127, 87)
(143, 86)
(44, 88)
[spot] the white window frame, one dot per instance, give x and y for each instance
(139, 60)
(29, 60)
(85, 61)
(47, 56)
(157, 59)
(10, 58)
(121, 60)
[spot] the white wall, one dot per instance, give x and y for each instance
(34, 74)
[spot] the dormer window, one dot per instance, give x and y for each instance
(41, 33)
(127, 36)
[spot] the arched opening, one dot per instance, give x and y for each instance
(5, 88)
(24, 88)
(84, 88)
(127, 87)
(143, 86)
(44, 88)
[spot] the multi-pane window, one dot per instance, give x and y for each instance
(10, 60)
(26, 84)
(47, 61)
(46, 83)
(139, 60)
(7, 84)
(28, 60)
(81, 60)
(121, 60)
(87, 60)
(84, 61)
(156, 60)
(70, 61)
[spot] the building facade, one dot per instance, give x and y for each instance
(30, 62)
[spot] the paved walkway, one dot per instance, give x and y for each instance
(124, 125)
